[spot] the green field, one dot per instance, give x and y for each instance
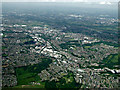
(25, 77)
(66, 81)
(111, 61)
(28, 74)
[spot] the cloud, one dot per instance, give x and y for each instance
(104, 2)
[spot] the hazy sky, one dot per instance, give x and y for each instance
(58, 0)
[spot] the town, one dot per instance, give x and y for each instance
(70, 46)
(78, 53)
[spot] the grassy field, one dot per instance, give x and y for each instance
(111, 61)
(27, 74)
(42, 85)
(67, 81)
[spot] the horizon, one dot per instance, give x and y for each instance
(89, 1)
